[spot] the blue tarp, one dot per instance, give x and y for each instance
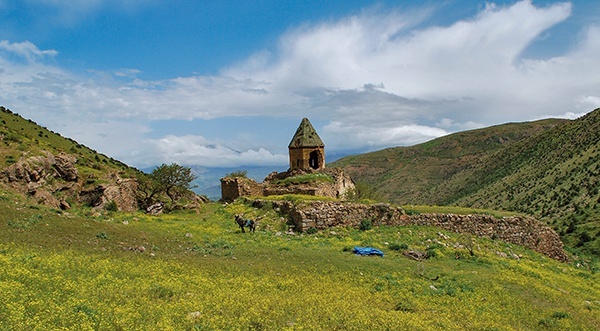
(367, 251)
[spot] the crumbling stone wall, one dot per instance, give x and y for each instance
(525, 231)
(235, 187)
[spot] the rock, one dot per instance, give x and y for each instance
(64, 205)
(155, 209)
(44, 197)
(29, 170)
(122, 193)
(65, 166)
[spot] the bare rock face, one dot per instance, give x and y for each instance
(29, 170)
(36, 168)
(65, 167)
(44, 197)
(122, 193)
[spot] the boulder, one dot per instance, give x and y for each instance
(65, 167)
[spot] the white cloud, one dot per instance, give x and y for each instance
(197, 150)
(26, 50)
(375, 78)
(346, 136)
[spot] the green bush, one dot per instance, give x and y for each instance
(365, 225)
(397, 247)
(111, 206)
(312, 230)
(238, 173)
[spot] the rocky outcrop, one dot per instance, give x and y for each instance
(122, 193)
(65, 167)
(37, 168)
(525, 231)
(49, 178)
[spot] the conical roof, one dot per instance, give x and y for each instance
(306, 136)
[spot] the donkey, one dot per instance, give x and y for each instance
(249, 223)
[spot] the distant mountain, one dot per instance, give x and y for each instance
(549, 169)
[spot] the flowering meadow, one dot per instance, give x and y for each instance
(197, 271)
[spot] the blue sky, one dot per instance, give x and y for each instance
(226, 83)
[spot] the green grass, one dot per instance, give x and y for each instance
(305, 179)
(423, 209)
(197, 271)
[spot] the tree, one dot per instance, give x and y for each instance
(173, 180)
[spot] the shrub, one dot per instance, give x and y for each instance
(102, 235)
(365, 225)
(397, 247)
(238, 173)
(312, 230)
(111, 206)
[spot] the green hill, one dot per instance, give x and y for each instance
(23, 137)
(549, 169)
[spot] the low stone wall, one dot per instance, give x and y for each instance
(525, 231)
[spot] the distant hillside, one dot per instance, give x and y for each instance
(549, 169)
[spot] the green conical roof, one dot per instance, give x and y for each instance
(306, 136)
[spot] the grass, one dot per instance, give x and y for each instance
(305, 179)
(423, 209)
(197, 271)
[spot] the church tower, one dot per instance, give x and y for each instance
(307, 150)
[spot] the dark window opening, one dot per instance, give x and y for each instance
(313, 160)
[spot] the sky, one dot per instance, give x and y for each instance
(226, 83)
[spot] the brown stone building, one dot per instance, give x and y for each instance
(307, 155)
(306, 149)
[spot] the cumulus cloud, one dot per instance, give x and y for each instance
(197, 150)
(374, 79)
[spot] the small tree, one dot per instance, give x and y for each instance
(173, 180)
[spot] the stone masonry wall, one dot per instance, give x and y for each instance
(234, 187)
(525, 231)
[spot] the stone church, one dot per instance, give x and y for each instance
(307, 155)
(306, 149)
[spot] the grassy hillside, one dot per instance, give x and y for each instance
(189, 271)
(403, 174)
(23, 138)
(554, 176)
(549, 169)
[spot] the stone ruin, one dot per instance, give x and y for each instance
(340, 186)
(307, 156)
(524, 231)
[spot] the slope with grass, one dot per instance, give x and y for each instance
(549, 169)
(189, 271)
(21, 137)
(403, 174)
